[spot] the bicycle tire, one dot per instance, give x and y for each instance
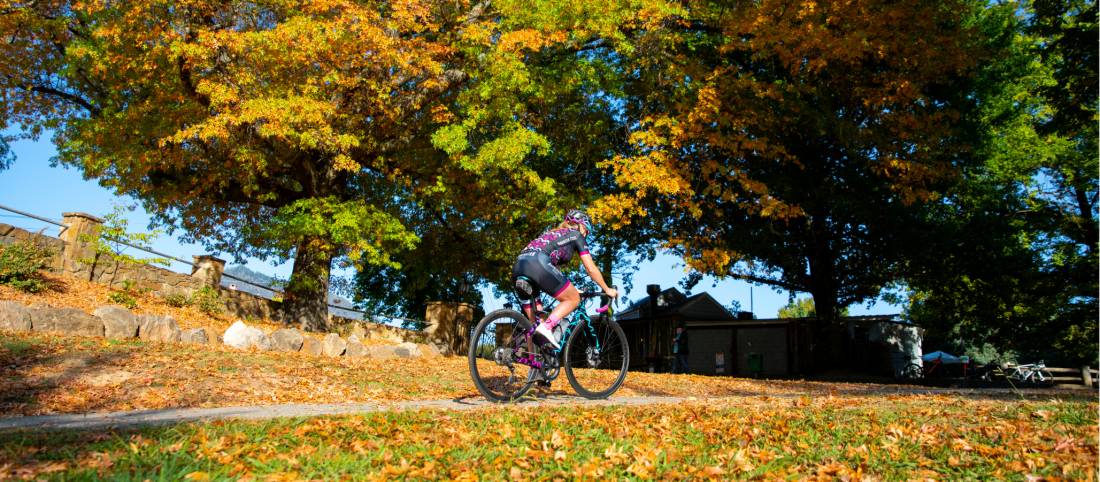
(581, 364)
(496, 382)
(1018, 376)
(912, 371)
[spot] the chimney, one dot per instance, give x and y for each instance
(653, 291)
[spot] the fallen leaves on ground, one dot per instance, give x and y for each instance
(848, 438)
(46, 374)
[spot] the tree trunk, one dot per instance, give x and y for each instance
(306, 303)
(1088, 233)
(823, 288)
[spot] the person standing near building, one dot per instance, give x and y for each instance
(680, 349)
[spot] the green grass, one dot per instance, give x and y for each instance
(893, 439)
(15, 347)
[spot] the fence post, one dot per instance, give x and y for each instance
(79, 237)
(208, 270)
(1086, 376)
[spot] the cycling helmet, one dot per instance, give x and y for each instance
(579, 217)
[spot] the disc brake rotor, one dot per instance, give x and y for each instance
(503, 356)
(593, 356)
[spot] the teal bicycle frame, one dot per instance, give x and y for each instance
(580, 315)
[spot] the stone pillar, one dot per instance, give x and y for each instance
(81, 231)
(448, 325)
(208, 270)
(503, 332)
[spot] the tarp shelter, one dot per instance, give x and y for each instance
(942, 357)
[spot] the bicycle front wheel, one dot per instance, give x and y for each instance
(596, 358)
(497, 345)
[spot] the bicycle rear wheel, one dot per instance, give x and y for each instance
(596, 358)
(494, 354)
(912, 371)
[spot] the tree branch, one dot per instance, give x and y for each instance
(188, 84)
(72, 98)
(766, 281)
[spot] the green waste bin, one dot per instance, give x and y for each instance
(756, 364)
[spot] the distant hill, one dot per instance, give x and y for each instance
(250, 276)
(265, 280)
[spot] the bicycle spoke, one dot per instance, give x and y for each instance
(597, 359)
(496, 357)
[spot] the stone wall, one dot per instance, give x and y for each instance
(116, 322)
(76, 258)
(447, 323)
(240, 304)
(10, 235)
(375, 331)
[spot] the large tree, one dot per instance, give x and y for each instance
(1011, 256)
(563, 87)
(794, 144)
(275, 128)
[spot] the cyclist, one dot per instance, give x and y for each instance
(539, 262)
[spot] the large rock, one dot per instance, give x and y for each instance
(66, 321)
(265, 343)
(14, 317)
(240, 335)
(441, 349)
(333, 345)
(356, 350)
(287, 339)
(408, 350)
(118, 322)
(382, 352)
(429, 351)
(197, 336)
(311, 346)
(357, 331)
(159, 328)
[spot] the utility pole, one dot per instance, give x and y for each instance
(752, 309)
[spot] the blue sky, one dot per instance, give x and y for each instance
(33, 186)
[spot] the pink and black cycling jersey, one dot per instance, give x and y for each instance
(559, 245)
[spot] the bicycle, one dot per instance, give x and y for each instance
(1030, 373)
(917, 371)
(595, 355)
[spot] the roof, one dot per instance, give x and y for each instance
(863, 319)
(673, 303)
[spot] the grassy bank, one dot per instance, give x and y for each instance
(871, 437)
(43, 374)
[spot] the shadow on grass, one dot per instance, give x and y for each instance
(37, 369)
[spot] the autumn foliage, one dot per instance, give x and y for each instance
(802, 145)
(308, 129)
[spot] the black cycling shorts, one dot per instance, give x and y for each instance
(536, 267)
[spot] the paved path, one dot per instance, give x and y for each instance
(168, 416)
(141, 418)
